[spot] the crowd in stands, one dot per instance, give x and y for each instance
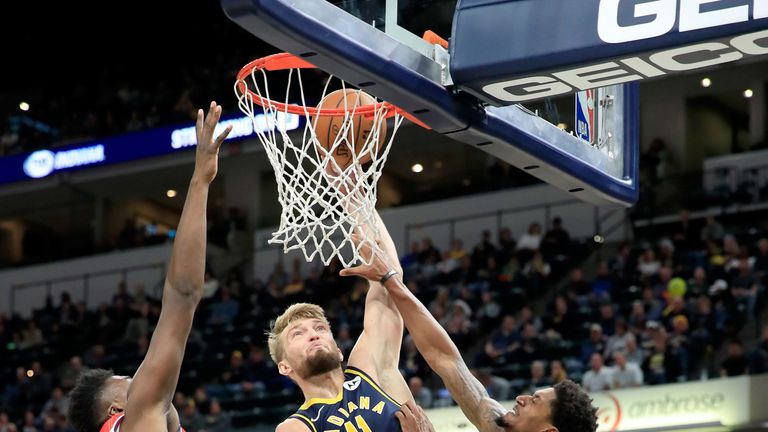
(526, 312)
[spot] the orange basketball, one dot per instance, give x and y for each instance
(328, 128)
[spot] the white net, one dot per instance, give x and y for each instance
(327, 186)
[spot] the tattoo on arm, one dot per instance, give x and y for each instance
(473, 399)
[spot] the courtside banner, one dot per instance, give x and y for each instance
(728, 402)
(506, 52)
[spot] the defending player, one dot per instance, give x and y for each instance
(101, 402)
(562, 408)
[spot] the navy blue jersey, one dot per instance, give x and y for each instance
(361, 406)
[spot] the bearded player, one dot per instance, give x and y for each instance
(363, 397)
(102, 402)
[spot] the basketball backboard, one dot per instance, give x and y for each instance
(376, 45)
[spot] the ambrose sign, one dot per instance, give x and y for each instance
(716, 402)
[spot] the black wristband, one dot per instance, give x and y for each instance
(387, 276)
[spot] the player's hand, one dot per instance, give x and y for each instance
(413, 419)
(207, 155)
(378, 267)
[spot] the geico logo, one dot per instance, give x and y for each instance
(656, 64)
(655, 18)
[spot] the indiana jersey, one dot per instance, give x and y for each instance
(114, 422)
(361, 406)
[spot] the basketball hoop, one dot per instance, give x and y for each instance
(324, 202)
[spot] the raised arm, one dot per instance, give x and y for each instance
(153, 386)
(377, 351)
(437, 348)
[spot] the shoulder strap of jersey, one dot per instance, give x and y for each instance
(351, 370)
(304, 419)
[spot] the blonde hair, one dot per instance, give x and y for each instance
(294, 313)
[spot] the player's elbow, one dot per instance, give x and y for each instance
(190, 292)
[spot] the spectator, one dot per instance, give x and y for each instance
(216, 420)
(210, 285)
(506, 246)
(607, 318)
(637, 317)
(30, 423)
(595, 343)
(562, 322)
(537, 271)
(411, 260)
(685, 235)
(557, 372)
(537, 379)
(138, 326)
(235, 373)
(648, 265)
(31, 336)
(421, 395)
(602, 285)
(625, 374)
(411, 361)
(69, 373)
(745, 289)
(529, 242)
(428, 254)
(458, 324)
(577, 289)
(528, 317)
(497, 387)
(736, 363)
(258, 373)
(483, 251)
(225, 310)
(618, 340)
(58, 402)
(699, 284)
(502, 344)
(557, 241)
(190, 417)
(712, 230)
(488, 313)
(598, 377)
(634, 353)
(660, 365)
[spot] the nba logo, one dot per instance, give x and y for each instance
(585, 115)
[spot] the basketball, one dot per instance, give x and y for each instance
(327, 128)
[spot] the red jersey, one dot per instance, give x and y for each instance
(113, 424)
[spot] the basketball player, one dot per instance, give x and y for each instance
(101, 402)
(365, 396)
(562, 408)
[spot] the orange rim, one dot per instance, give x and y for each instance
(285, 61)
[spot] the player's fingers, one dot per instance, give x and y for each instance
(354, 271)
(199, 123)
(406, 409)
(213, 115)
(222, 136)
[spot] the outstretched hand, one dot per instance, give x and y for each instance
(207, 156)
(413, 419)
(378, 267)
